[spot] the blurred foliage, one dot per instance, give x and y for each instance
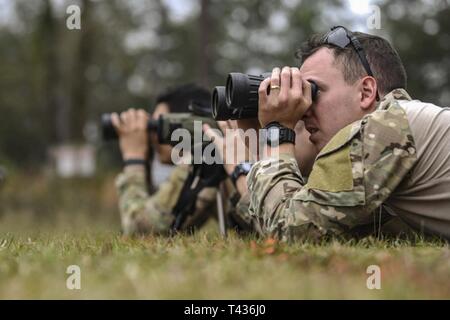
(55, 82)
(50, 203)
(421, 34)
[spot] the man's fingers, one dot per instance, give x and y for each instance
(206, 127)
(142, 113)
(232, 124)
(296, 79)
(262, 92)
(285, 82)
(223, 125)
(275, 79)
(307, 92)
(300, 126)
(115, 121)
(209, 132)
(263, 86)
(133, 118)
(215, 136)
(124, 117)
(142, 119)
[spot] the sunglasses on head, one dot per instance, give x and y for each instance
(340, 37)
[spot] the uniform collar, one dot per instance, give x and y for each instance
(396, 94)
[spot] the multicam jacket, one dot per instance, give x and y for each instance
(397, 158)
(142, 213)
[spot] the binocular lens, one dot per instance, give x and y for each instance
(238, 99)
(242, 90)
(108, 130)
(220, 110)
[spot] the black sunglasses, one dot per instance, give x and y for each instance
(340, 37)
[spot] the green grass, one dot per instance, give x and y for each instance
(52, 224)
(204, 266)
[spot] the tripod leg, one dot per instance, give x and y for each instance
(220, 213)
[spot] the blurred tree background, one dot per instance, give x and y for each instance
(55, 82)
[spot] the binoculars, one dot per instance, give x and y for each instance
(164, 126)
(238, 99)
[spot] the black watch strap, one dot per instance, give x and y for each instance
(131, 162)
(241, 169)
(278, 134)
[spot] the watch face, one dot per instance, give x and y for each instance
(246, 166)
(273, 134)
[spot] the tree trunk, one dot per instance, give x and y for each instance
(80, 89)
(204, 51)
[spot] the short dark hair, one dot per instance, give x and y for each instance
(179, 98)
(384, 61)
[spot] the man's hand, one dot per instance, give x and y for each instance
(246, 124)
(288, 100)
(229, 142)
(131, 128)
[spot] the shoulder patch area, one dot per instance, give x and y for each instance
(332, 172)
(341, 138)
(336, 178)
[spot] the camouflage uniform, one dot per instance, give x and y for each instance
(353, 176)
(142, 213)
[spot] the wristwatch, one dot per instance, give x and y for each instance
(134, 161)
(241, 169)
(277, 134)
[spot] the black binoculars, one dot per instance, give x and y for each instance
(164, 126)
(239, 98)
(109, 132)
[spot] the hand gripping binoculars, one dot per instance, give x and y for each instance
(238, 99)
(166, 124)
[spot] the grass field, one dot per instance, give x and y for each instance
(205, 266)
(35, 251)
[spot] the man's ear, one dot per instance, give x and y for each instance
(368, 89)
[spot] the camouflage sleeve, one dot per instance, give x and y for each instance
(144, 213)
(205, 207)
(351, 177)
(238, 216)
